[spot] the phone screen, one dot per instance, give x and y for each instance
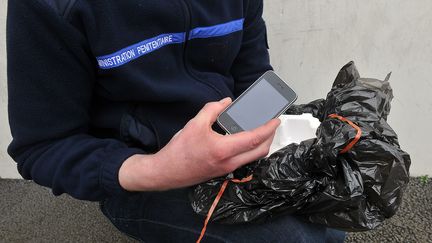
(257, 106)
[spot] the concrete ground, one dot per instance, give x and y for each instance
(29, 213)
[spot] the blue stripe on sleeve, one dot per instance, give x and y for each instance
(217, 30)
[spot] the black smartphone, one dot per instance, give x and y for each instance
(265, 99)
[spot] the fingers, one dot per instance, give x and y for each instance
(209, 113)
(251, 155)
(238, 143)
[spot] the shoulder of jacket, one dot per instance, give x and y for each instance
(61, 7)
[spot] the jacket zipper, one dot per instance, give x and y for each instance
(188, 17)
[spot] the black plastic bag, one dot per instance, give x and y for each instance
(354, 190)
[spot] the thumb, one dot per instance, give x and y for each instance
(211, 111)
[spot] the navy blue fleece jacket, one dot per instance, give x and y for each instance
(92, 83)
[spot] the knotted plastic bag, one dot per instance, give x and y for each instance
(351, 176)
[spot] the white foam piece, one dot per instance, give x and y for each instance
(294, 129)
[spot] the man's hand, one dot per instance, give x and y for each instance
(197, 154)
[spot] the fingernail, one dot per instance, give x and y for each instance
(225, 100)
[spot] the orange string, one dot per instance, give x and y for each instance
(249, 178)
(216, 201)
(356, 138)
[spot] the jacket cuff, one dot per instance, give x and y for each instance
(110, 170)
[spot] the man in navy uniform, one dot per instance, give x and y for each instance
(114, 101)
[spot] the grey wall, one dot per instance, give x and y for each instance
(7, 167)
(311, 40)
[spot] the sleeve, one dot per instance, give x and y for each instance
(50, 83)
(253, 59)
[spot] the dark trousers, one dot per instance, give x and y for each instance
(168, 217)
